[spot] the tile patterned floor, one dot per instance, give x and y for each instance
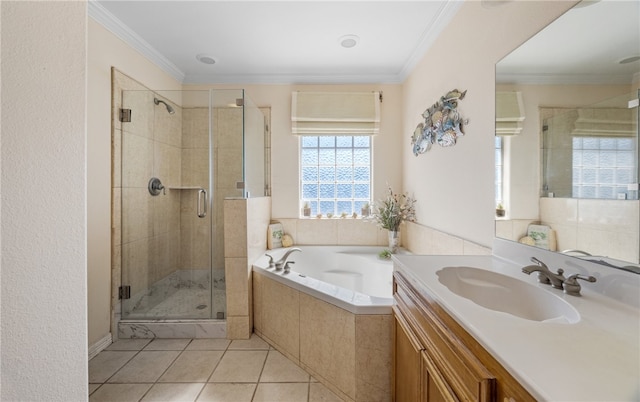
(200, 370)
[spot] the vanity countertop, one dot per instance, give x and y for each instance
(595, 359)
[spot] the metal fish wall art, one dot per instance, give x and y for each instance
(442, 124)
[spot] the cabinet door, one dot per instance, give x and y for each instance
(406, 363)
(434, 387)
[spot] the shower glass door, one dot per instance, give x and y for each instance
(167, 215)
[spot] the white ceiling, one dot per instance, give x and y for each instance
(279, 42)
(298, 41)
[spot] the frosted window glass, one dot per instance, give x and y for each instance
(327, 173)
(590, 158)
(309, 157)
(625, 159)
(345, 206)
(361, 190)
(589, 176)
(309, 173)
(344, 173)
(606, 176)
(327, 142)
(344, 156)
(607, 159)
(327, 156)
(361, 156)
(327, 190)
(309, 141)
(606, 192)
(361, 174)
(344, 142)
(361, 142)
(588, 192)
(623, 176)
(577, 158)
(327, 206)
(590, 143)
(345, 190)
(309, 191)
(335, 173)
(626, 143)
(608, 143)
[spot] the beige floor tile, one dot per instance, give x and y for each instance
(280, 369)
(253, 343)
(282, 392)
(168, 344)
(106, 363)
(129, 344)
(319, 393)
(93, 387)
(119, 392)
(192, 366)
(240, 366)
(209, 344)
(174, 392)
(225, 392)
(145, 367)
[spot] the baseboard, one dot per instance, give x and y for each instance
(100, 346)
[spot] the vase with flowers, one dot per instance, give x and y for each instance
(391, 211)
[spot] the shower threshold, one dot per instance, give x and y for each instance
(172, 328)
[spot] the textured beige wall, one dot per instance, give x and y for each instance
(44, 207)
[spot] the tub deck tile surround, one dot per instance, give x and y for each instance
(327, 340)
(350, 354)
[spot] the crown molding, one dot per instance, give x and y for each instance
(429, 36)
(102, 16)
(298, 79)
(564, 79)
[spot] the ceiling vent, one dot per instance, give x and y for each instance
(509, 113)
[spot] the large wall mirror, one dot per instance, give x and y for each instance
(567, 136)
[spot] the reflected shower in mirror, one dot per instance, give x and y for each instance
(567, 136)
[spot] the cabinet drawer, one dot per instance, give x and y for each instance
(466, 376)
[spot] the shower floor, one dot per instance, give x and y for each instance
(185, 294)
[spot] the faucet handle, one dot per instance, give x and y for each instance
(271, 262)
(287, 268)
(571, 285)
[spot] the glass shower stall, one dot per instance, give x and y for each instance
(182, 154)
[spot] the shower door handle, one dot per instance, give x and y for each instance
(202, 203)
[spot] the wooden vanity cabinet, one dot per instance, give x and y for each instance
(435, 359)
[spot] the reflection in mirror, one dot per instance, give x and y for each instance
(567, 136)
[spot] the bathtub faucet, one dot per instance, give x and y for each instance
(280, 263)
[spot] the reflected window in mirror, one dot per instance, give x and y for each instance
(499, 185)
(602, 167)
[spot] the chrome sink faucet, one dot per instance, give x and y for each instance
(280, 263)
(544, 273)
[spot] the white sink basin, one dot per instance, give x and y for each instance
(509, 295)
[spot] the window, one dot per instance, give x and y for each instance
(602, 166)
(335, 173)
(499, 171)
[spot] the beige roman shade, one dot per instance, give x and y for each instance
(509, 113)
(335, 113)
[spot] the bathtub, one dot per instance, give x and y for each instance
(350, 277)
(332, 315)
